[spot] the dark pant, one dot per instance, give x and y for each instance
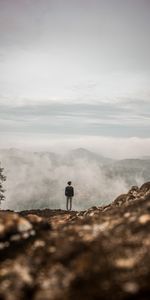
(69, 203)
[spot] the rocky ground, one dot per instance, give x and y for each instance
(100, 253)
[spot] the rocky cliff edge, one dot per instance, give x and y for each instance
(100, 253)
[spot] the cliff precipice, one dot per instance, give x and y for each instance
(100, 253)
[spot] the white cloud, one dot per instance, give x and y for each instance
(61, 54)
(108, 146)
(37, 180)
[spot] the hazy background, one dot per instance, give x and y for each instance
(72, 74)
(38, 179)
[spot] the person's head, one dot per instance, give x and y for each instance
(69, 182)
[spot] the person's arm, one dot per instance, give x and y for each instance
(72, 192)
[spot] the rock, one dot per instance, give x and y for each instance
(38, 221)
(134, 188)
(134, 193)
(125, 263)
(145, 187)
(101, 253)
(15, 228)
(23, 225)
(131, 287)
(120, 200)
(144, 219)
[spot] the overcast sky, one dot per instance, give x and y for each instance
(74, 70)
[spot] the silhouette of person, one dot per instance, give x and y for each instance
(69, 193)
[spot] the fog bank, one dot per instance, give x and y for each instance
(38, 179)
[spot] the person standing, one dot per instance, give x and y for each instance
(69, 193)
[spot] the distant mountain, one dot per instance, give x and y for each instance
(81, 153)
(145, 157)
(133, 171)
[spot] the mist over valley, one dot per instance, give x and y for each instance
(38, 179)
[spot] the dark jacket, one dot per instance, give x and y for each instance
(69, 191)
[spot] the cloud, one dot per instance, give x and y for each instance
(37, 180)
(74, 51)
(74, 69)
(123, 119)
(115, 147)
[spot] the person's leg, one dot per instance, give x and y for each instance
(67, 202)
(70, 203)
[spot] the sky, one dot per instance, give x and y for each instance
(75, 74)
